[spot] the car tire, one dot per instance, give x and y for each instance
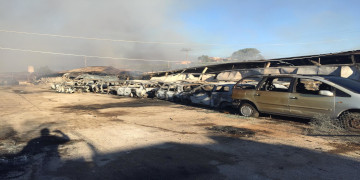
(248, 110)
(350, 121)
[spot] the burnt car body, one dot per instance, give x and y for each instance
(85, 83)
(138, 89)
(169, 94)
(212, 95)
(299, 96)
(161, 92)
(127, 89)
(182, 90)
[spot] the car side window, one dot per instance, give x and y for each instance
(248, 83)
(277, 84)
(311, 86)
(171, 88)
(222, 89)
(208, 87)
(218, 88)
(340, 93)
(187, 88)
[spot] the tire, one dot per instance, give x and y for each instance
(350, 121)
(248, 110)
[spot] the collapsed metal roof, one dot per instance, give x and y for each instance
(341, 58)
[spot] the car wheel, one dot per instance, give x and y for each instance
(351, 121)
(248, 110)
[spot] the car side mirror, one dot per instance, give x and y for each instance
(326, 93)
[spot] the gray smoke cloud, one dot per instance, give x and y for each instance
(131, 20)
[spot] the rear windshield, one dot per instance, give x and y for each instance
(349, 84)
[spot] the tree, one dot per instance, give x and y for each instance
(246, 55)
(204, 58)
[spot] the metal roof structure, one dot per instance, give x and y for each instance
(329, 59)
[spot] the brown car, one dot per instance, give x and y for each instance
(300, 96)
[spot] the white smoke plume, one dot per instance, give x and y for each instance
(130, 20)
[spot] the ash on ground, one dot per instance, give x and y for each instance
(232, 131)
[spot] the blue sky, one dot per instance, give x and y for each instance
(301, 27)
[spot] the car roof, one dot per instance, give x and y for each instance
(318, 77)
(220, 84)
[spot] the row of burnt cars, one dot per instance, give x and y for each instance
(290, 95)
(211, 94)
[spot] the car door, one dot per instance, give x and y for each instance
(273, 94)
(202, 95)
(306, 101)
(221, 94)
(161, 92)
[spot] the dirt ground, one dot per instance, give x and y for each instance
(47, 135)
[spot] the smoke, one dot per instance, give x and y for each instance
(276, 28)
(130, 20)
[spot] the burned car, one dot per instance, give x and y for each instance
(161, 92)
(300, 96)
(169, 94)
(212, 95)
(138, 89)
(73, 82)
(182, 89)
(151, 88)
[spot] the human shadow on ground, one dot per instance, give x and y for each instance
(41, 148)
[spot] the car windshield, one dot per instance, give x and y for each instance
(349, 84)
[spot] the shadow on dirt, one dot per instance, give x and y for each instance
(95, 108)
(285, 118)
(44, 147)
(227, 157)
(7, 133)
(17, 91)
